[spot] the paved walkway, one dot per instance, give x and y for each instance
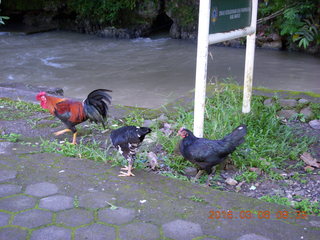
(47, 196)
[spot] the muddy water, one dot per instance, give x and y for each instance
(141, 72)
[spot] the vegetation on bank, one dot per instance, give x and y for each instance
(297, 21)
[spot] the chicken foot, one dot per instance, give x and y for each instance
(128, 173)
(210, 176)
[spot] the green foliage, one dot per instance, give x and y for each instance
(196, 199)
(268, 142)
(184, 12)
(308, 33)
(247, 176)
(299, 21)
(90, 151)
(101, 11)
(12, 137)
(304, 205)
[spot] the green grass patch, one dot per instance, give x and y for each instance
(13, 110)
(268, 142)
(12, 137)
(305, 205)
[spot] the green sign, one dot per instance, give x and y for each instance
(228, 15)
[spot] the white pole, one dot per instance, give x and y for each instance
(201, 69)
(249, 63)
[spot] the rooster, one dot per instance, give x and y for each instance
(127, 140)
(206, 153)
(71, 112)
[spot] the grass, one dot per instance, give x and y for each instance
(268, 142)
(9, 109)
(305, 205)
(91, 151)
(12, 137)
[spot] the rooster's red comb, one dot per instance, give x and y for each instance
(40, 94)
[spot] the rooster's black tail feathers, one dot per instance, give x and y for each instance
(96, 105)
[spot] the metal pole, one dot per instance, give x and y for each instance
(249, 63)
(201, 68)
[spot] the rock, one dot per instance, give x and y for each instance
(287, 114)
(303, 101)
(162, 118)
(288, 102)
(231, 181)
(148, 123)
(315, 124)
(268, 102)
(273, 44)
(190, 171)
(309, 160)
(256, 170)
(307, 112)
(153, 160)
(308, 168)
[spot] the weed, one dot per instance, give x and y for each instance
(90, 151)
(247, 176)
(305, 205)
(12, 137)
(196, 199)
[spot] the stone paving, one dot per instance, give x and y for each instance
(50, 197)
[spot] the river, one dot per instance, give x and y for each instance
(141, 72)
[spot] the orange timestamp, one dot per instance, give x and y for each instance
(283, 214)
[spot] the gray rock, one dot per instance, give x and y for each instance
(13, 233)
(315, 124)
(182, 230)
(9, 189)
(287, 114)
(307, 112)
(51, 233)
(17, 203)
(7, 174)
(139, 231)
(148, 123)
(95, 232)
(117, 216)
(162, 118)
(190, 171)
(273, 44)
(303, 101)
(95, 200)
(4, 219)
(5, 147)
(32, 218)
(288, 102)
(56, 203)
(315, 224)
(252, 236)
(75, 217)
(268, 102)
(41, 189)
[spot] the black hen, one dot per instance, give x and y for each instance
(206, 153)
(71, 112)
(127, 140)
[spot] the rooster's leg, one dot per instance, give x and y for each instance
(74, 141)
(62, 132)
